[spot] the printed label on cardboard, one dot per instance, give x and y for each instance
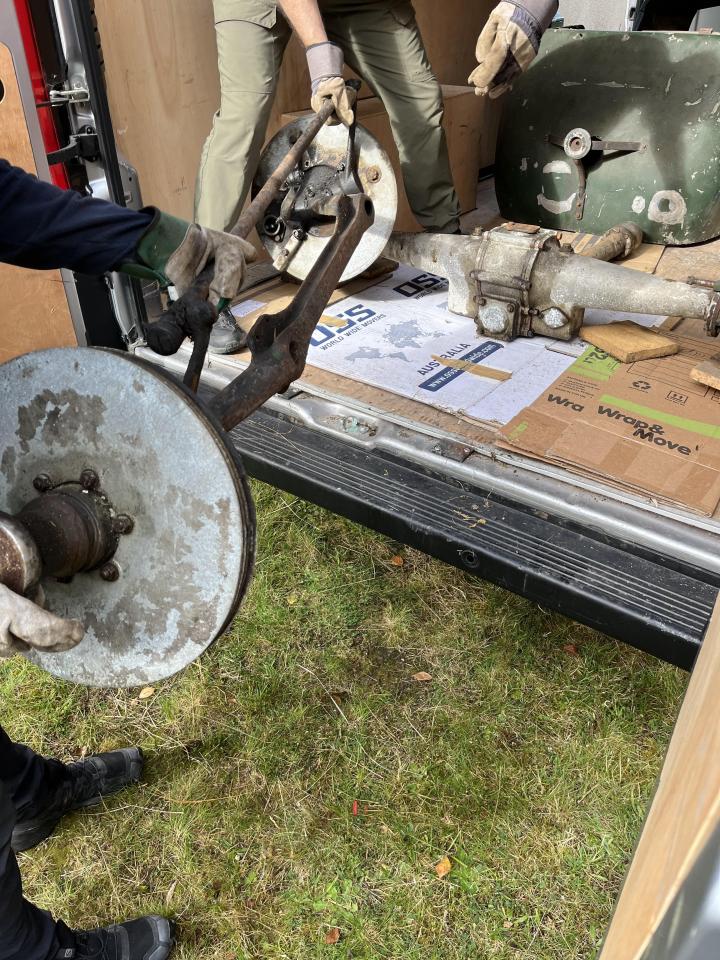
(646, 426)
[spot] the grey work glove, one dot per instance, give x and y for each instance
(176, 251)
(509, 43)
(325, 63)
(23, 624)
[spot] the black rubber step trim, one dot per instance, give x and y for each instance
(605, 585)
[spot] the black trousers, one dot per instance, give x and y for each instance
(27, 781)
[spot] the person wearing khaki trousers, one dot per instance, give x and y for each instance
(379, 40)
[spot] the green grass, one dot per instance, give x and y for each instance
(528, 765)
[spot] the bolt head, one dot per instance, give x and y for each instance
(89, 480)
(110, 571)
(42, 483)
(123, 524)
(554, 318)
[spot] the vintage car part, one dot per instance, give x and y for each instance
(520, 282)
(137, 505)
(607, 127)
(295, 230)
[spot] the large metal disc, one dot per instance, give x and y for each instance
(376, 176)
(185, 566)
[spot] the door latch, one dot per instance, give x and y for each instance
(82, 146)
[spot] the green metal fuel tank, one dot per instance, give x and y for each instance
(612, 127)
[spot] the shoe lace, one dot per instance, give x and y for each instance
(91, 946)
(85, 782)
(225, 320)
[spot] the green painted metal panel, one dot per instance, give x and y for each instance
(661, 90)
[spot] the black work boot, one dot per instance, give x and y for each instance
(226, 336)
(149, 938)
(89, 781)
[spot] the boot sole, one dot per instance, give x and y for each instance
(230, 348)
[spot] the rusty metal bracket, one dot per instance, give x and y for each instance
(279, 342)
(577, 145)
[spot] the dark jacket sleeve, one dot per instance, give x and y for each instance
(44, 227)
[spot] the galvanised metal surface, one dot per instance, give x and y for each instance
(323, 156)
(518, 282)
(660, 91)
(184, 567)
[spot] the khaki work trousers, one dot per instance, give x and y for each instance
(382, 44)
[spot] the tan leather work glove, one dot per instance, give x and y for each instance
(23, 624)
(325, 63)
(509, 43)
(175, 250)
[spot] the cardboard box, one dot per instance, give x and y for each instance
(463, 124)
(646, 426)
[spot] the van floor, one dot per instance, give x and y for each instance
(701, 261)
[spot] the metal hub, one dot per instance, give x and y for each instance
(144, 522)
(290, 232)
(577, 144)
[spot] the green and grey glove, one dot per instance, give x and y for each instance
(175, 252)
(325, 63)
(509, 43)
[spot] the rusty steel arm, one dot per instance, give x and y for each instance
(279, 341)
(192, 314)
(251, 216)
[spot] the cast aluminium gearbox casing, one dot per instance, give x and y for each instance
(656, 93)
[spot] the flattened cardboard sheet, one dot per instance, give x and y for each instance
(645, 426)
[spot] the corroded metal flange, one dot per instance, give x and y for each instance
(181, 512)
(325, 155)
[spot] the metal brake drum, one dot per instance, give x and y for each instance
(182, 570)
(327, 152)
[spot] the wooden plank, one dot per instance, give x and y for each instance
(701, 261)
(34, 311)
(477, 369)
(628, 342)
(707, 373)
(684, 811)
(162, 81)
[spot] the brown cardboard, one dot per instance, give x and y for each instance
(645, 426)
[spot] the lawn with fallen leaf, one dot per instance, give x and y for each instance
(385, 758)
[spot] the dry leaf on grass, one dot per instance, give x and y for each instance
(422, 677)
(443, 868)
(397, 560)
(332, 936)
(570, 649)
(292, 600)
(170, 893)
(146, 692)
